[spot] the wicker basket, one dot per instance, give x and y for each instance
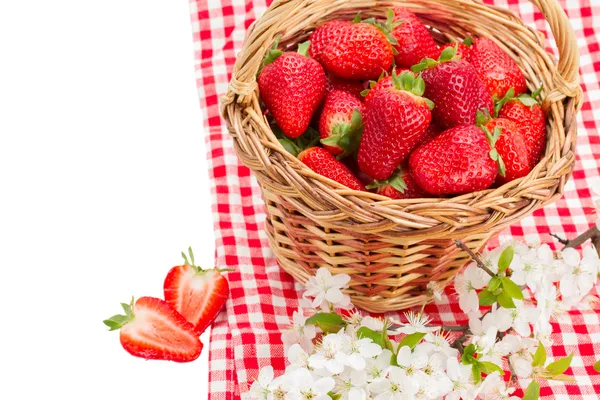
(393, 248)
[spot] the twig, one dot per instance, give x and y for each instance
(592, 233)
(475, 257)
(459, 344)
(513, 374)
(560, 240)
(455, 328)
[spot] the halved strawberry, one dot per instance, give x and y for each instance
(153, 330)
(196, 293)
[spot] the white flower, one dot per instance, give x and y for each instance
(580, 276)
(265, 385)
(518, 318)
(378, 367)
(494, 388)
(438, 342)
(432, 379)
(327, 290)
(434, 290)
(417, 323)
(411, 362)
(357, 350)
(308, 387)
(548, 303)
(542, 329)
(397, 386)
(462, 381)
(351, 384)
(299, 332)
(527, 270)
(479, 327)
(330, 355)
(297, 357)
(521, 354)
(377, 324)
(467, 284)
(488, 348)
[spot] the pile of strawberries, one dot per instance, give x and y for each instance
(169, 329)
(397, 114)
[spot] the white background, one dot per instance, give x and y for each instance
(102, 183)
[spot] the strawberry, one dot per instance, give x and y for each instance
(433, 130)
(340, 125)
(324, 163)
(358, 51)
(291, 86)
(396, 118)
(525, 111)
(352, 165)
(496, 69)
(414, 40)
(384, 81)
(195, 293)
(462, 49)
(401, 185)
(512, 149)
(458, 161)
(452, 84)
(153, 330)
(353, 87)
(323, 35)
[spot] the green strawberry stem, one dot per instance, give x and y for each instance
(448, 54)
(385, 27)
(494, 155)
(468, 41)
(408, 82)
(117, 321)
(273, 53)
(303, 48)
(396, 181)
(346, 136)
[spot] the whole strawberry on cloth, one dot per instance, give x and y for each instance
(292, 86)
(530, 118)
(360, 50)
(154, 330)
(414, 42)
(460, 160)
(396, 119)
(340, 125)
(453, 85)
(496, 69)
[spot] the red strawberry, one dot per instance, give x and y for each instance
(463, 50)
(396, 118)
(452, 84)
(292, 87)
(359, 51)
(496, 69)
(511, 147)
(401, 185)
(457, 161)
(531, 122)
(323, 35)
(433, 131)
(353, 87)
(195, 293)
(414, 40)
(483, 98)
(324, 163)
(384, 81)
(352, 165)
(340, 125)
(153, 330)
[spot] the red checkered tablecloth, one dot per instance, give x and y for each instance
(246, 336)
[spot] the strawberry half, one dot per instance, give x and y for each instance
(153, 330)
(340, 125)
(291, 86)
(197, 294)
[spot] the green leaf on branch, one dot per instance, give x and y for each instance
(486, 298)
(505, 259)
(539, 358)
(328, 322)
(412, 340)
(597, 366)
(494, 284)
(505, 300)
(476, 369)
(489, 368)
(559, 366)
(364, 332)
(334, 396)
(512, 289)
(532, 392)
(468, 355)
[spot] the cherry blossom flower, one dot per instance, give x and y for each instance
(297, 357)
(488, 348)
(397, 386)
(358, 350)
(327, 290)
(580, 275)
(265, 385)
(462, 381)
(416, 323)
(521, 353)
(438, 343)
(329, 355)
(518, 318)
(299, 332)
(351, 385)
(378, 367)
(467, 284)
(494, 388)
(308, 387)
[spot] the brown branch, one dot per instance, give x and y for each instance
(592, 233)
(475, 257)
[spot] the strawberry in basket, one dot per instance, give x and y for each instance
(401, 185)
(526, 112)
(324, 163)
(292, 86)
(396, 118)
(414, 42)
(340, 125)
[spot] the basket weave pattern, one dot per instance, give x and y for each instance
(393, 248)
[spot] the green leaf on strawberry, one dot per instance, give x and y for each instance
(273, 53)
